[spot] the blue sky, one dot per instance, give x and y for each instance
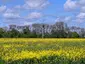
(25, 12)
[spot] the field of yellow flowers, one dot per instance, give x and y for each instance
(42, 51)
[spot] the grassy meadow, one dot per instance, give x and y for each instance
(42, 51)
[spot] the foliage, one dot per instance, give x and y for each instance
(75, 35)
(58, 30)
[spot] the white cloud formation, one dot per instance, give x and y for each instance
(64, 19)
(34, 15)
(79, 20)
(74, 4)
(68, 18)
(70, 5)
(2, 9)
(81, 2)
(14, 15)
(35, 4)
(82, 9)
(28, 23)
(18, 7)
(78, 5)
(11, 14)
(81, 15)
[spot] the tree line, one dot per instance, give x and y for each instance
(58, 30)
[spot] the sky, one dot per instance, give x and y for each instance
(26, 12)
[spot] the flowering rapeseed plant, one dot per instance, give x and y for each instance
(42, 51)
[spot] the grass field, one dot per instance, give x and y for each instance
(42, 51)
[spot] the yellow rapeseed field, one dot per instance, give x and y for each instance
(42, 51)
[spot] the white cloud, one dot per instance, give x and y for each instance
(27, 23)
(82, 9)
(68, 18)
(2, 9)
(70, 5)
(10, 14)
(79, 6)
(74, 4)
(64, 19)
(35, 4)
(34, 15)
(81, 15)
(81, 2)
(14, 15)
(18, 7)
(79, 20)
(58, 19)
